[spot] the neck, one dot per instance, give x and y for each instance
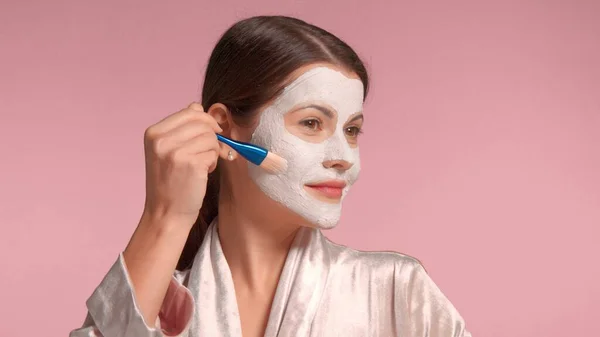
(255, 247)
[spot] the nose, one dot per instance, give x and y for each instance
(339, 165)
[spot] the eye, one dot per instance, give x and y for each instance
(312, 124)
(352, 131)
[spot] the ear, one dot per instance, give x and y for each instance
(222, 115)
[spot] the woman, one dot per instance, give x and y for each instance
(262, 268)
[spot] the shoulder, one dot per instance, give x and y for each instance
(417, 300)
(394, 263)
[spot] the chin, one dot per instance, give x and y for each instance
(313, 220)
(322, 222)
(317, 214)
(327, 225)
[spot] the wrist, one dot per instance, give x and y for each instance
(167, 223)
(156, 236)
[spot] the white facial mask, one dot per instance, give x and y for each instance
(305, 159)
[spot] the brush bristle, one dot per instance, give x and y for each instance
(274, 163)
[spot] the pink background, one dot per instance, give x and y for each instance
(481, 153)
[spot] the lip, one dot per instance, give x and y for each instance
(332, 189)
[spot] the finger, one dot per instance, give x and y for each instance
(191, 115)
(204, 116)
(192, 112)
(187, 131)
(215, 163)
(205, 161)
(210, 120)
(196, 106)
(202, 143)
(174, 120)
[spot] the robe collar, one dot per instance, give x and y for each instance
(297, 298)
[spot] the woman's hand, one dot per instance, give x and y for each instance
(180, 152)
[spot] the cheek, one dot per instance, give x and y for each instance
(354, 171)
(305, 160)
(302, 153)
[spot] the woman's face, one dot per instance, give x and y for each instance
(314, 124)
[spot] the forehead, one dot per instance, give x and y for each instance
(324, 85)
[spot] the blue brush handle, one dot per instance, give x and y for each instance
(253, 153)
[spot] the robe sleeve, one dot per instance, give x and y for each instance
(113, 311)
(423, 309)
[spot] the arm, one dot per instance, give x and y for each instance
(151, 258)
(180, 151)
(113, 311)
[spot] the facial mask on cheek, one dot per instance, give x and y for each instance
(305, 159)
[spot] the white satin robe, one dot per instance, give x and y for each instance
(325, 289)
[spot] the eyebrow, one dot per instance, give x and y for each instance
(357, 117)
(327, 112)
(323, 109)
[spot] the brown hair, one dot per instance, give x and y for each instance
(248, 68)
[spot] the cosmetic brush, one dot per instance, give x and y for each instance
(257, 155)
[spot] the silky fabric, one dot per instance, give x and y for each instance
(325, 289)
